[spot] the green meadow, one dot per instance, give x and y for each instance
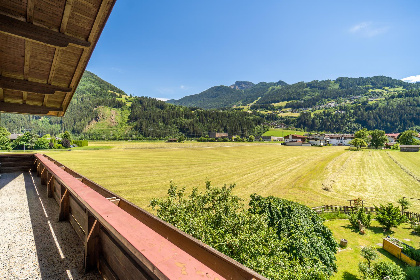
(140, 171)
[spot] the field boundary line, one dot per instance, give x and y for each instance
(405, 169)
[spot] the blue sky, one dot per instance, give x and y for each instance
(169, 49)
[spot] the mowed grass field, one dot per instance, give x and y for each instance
(140, 171)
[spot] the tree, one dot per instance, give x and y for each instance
(369, 254)
(389, 216)
(378, 138)
(27, 141)
(219, 219)
(362, 134)
(405, 204)
(407, 138)
(4, 139)
(361, 216)
(304, 234)
(358, 143)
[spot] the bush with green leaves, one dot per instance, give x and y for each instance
(42, 143)
(4, 139)
(219, 219)
(412, 273)
(26, 141)
(411, 252)
(381, 270)
(389, 216)
(303, 232)
(360, 215)
(369, 254)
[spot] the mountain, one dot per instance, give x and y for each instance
(101, 111)
(218, 97)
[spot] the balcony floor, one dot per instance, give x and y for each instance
(33, 244)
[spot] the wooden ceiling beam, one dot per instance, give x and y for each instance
(40, 34)
(66, 15)
(23, 85)
(30, 11)
(26, 109)
(1, 94)
(27, 59)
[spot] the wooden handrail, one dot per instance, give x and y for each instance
(116, 233)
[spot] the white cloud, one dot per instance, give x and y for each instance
(162, 98)
(412, 79)
(369, 29)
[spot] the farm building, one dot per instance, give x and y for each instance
(317, 139)
(272, 138)
(218, 135)
(409, 148)
(339, 139)
(67, 226)
(392, 138)
(295, 138)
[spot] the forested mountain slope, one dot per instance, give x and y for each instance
(100, 110)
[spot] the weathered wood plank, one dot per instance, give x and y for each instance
(92, 247)
(119, 261)
(24, 85)
(39, 34)
(63, 213)
(79, 214)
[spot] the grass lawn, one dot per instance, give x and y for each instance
(278, 132)
(349, 258)
(140, 171)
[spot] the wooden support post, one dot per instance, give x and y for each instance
(92, 247)
(64, 207)
(43, 176)
(50, 185)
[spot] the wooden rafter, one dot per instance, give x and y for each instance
(27, 59)
(1, 95)
(23, 85)
(40, 34)
(30, 11)
(66, 15)
(44, 103)
(24, 97)
(54, 65)
(26, 109)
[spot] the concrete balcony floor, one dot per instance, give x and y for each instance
(33, 244)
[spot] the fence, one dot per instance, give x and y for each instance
(349, 209)
(126, 242)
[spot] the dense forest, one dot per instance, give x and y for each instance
(100, 110)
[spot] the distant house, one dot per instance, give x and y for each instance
(392, 138)
(218, 135)
(339, 139)
(272, 138)
(317, 140)
(294, 138)
(14, 136)
(409, 148)
(294, 143)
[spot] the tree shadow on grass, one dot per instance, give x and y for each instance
(349, 276)
(380, 230)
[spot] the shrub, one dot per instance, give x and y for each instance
(412, 273)
(303, 232)
(389, 216)
(219, 219)
(80, 143)
(411, 252)
(27, 141)
(381, 270)
(369, 254)
(360, 215)
(42, 143)
(65, 143)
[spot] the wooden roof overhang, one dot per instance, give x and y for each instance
(45, 46)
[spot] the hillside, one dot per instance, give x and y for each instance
(218, 97)
(100, 111)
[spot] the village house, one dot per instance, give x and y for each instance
(294, 138)
(218, 135)
(317, 139)
(339, 139)
(272, 138)
(392, 138)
